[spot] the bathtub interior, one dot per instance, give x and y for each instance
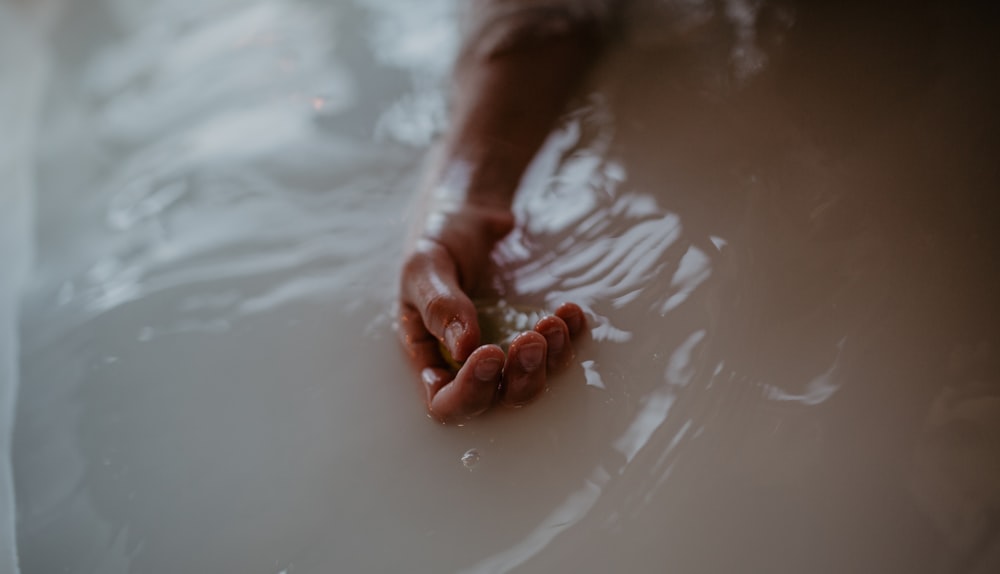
(786, 256)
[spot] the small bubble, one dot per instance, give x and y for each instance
(471, 458)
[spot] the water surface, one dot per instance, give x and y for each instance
(783, 234)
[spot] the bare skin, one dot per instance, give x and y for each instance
(511, 85)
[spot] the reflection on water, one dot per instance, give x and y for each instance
(791, 366)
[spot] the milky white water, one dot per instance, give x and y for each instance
(781, 222)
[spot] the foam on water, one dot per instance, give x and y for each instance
(789, 271)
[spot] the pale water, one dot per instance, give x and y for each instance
(781, 222)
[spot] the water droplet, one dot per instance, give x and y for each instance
(471, 458)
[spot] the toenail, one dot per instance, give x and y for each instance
(488, 369)
(530, 355)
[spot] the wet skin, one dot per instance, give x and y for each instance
(497, 126)
(436, 307)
